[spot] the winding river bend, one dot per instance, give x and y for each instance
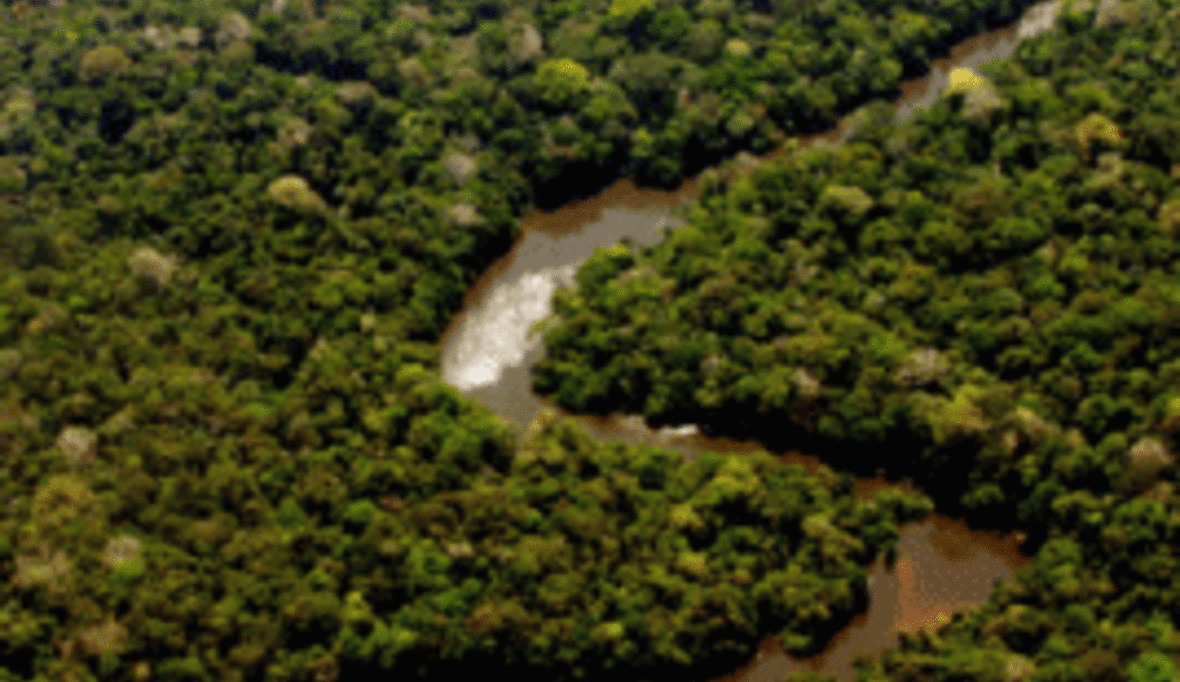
(942, 565)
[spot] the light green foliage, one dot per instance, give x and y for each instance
(740, 124)
(980, 98)
(1152, 666)
(103, 62)
(560, 81)
(693, 563)
(683, 516)
(957, 417)
(295, 193)
(738, 48)
(961, 81)
(628, 10)
(1096, 128)
(848, 201)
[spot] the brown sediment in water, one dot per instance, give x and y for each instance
(942, 566)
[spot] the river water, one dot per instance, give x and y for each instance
(942, 565)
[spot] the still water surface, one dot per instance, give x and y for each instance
(942, 565)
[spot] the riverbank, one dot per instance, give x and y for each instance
(943, 566)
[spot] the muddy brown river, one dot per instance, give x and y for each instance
(942, 565)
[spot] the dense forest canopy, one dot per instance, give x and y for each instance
(985, 298)
(992, 285)
(230, 236)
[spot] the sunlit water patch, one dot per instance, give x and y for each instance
(497, 334)
(495, 331)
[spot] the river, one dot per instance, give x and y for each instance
(942, 565)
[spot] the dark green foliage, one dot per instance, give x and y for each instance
(1009, 322)
(231, 235)
(987, 295)
(584, 559)
(329, 526)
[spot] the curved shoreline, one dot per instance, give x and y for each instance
(942, 566)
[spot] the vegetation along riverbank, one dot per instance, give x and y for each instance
(983, 298)
(232, 232)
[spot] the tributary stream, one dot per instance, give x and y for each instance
(942, 566)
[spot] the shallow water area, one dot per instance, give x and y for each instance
(942, 566)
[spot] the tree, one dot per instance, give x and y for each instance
(560, 83)
(295, 193)
(103, 62)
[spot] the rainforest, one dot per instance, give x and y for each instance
(232, 235)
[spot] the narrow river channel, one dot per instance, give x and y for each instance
(942, 565)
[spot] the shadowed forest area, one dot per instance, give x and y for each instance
(232, 233)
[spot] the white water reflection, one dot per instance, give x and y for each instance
(495, 332)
